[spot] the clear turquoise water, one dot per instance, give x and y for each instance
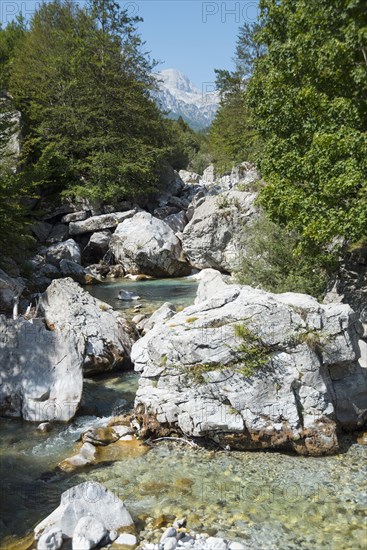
(271, 501)
(153, 293)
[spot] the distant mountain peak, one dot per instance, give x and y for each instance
(178, 96)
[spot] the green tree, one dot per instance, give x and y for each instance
(308, 94)
(83, 85)
(233, 137)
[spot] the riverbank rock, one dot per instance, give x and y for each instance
(10, 289)
(87, 514)
(99, 223)
(212, 237)
(253, 370)
(107, 336)
(97, 246)
(145, 244)
(41, 377)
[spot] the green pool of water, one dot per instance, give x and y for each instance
(153, 293)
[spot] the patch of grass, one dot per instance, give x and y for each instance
(191, 319)
(252, 354)
(163, 360)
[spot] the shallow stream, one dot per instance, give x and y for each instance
(268, 500)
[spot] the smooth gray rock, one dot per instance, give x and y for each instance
(144, 244)
(41, 377)
(73, 270)
(213, 236)
(98, 223)
(169, 532)
(312, 381)
(88, 533)
(86, 499)
(106, 335)
(68, 250)
(126, 539)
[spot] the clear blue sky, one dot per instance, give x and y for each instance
(193, 36)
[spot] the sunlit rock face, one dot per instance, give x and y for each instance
(253, 370)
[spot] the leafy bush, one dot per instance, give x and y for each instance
(271, 259)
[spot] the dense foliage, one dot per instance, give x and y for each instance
(271, 262)
(308, 95)
(83, 87)
(189, 148)
(233, 136)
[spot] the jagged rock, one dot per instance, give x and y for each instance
(59, 233)
(10, 289)
(67, 250)
(144, 244)
(97, 246)
(75, 217)
(161, 315)
(171, 184)
(287, 378)
(41, 377)
(177, 222)
(87, 499)
(106, 335)
(212, 237)
(98, 223)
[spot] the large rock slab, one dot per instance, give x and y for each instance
(108, 337)
(98, 223)
(41, 374)
(145, 244)
(89, 499)
(253, 370)
(213, 236)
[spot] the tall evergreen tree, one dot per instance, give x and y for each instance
(83, 84)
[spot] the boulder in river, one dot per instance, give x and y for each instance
(253, 370)
(107, 336)
(86, 500)
(41, 377)
(145, 244)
